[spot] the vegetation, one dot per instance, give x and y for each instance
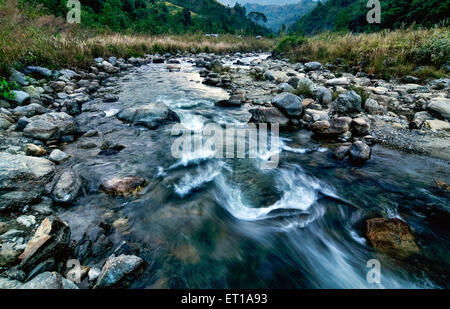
(350, 15)
(30, 37)
(158, 16)
(386, 53)
(6, 89)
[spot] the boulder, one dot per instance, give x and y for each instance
(38, 72)
(312, 66)
(9, 284)
(269, 115)
(360, 127)
(20, 97)
(440, 107)
(49, 281)
(391, 236)
(51, 240)
(123, 186)
(58, 156)
(67, 187)
(289, 104)
(343, 81)
(151, 115)
(22, 179)
(18, 77)
(4, 124)
(438, 125)
(347, 103)
(9, 257)
(118, 270)
(50, 126)
(34, 150)
(29, 110)
(360, 152)
(342, 151)
(333, 126)
(323, 95)
(372, 107)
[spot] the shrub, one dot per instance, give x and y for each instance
(6, 89)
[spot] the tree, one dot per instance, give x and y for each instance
(257, 17)
(187, 20)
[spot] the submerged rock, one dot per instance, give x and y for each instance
(66, 187)
(123, 186)
(151, 115)
(22, 179)
(391, 236)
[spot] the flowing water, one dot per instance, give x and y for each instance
(204, 222)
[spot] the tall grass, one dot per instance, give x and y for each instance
(388, 53)
(28, 37)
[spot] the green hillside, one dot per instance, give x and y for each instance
(158, 17)
(351, 15)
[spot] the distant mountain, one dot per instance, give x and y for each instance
(351, 15)
(278, 15)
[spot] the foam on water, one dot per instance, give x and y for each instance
(193, 181)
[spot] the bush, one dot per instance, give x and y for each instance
(290, 42)
(6, 89)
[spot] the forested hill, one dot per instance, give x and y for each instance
(279, 15)
(351, 15)
(158, 17)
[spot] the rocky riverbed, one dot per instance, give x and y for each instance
(84, 153)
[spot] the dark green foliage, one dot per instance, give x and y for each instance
(343, 15)
(159, 17)
(6, 89)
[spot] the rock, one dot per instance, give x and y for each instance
(73, 107)
(7, 284)
(9, 257)
(360, 127)
(57, 86)
(94, 273)
(94, 246)
(4, 124)
(391, 236)
(343, 81)
(18, 77)
(50, 126)
(321, 126)
(360, 152)
(269, 115)
(87, 145)
(347, 103)
(27, 221)
(419, 119)
(372, 107)
(339, 125)
(438, 125)
(51, 240)
(49, 281)
(342, 151)
(289, 104)
(58, 156)
(118, 270)
(314, 115)
(38, 72)
(20, 97)
(110, 98)
(411, 79)
(158, 60)
(440, 107)
(293, 81)
(312, 66)
(22, 123)
(34, 150)
(66, 187)
(323, 95)
(29, 110)
(69, 74)
(44, 207)
(123, 186)
(285, 87)
(22, 179)
(151, 115)
(11, 234)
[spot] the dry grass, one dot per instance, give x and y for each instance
(30, 38)
(394, 53)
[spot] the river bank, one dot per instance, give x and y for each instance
(84, 160)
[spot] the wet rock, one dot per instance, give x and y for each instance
(34, 150)
(67, 187)
(391, 236)
(269, 115)
(22, 179)
(360, 127)
(440, 108)
(110, 98)
(49, 281)
(50, 126)
(360, 152)
(9, 257)
(321, 126)
(151, 115)
(339, 125)
(94, 246)
(94, 273)
(312, 66)
(118, 270)
(22, 123)
(87, 145)
(289, 104)
(347, 103)
(51, 240)
(58, 156)
(123, 186)
(342, 151)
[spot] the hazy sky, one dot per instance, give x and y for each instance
(232, 2)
